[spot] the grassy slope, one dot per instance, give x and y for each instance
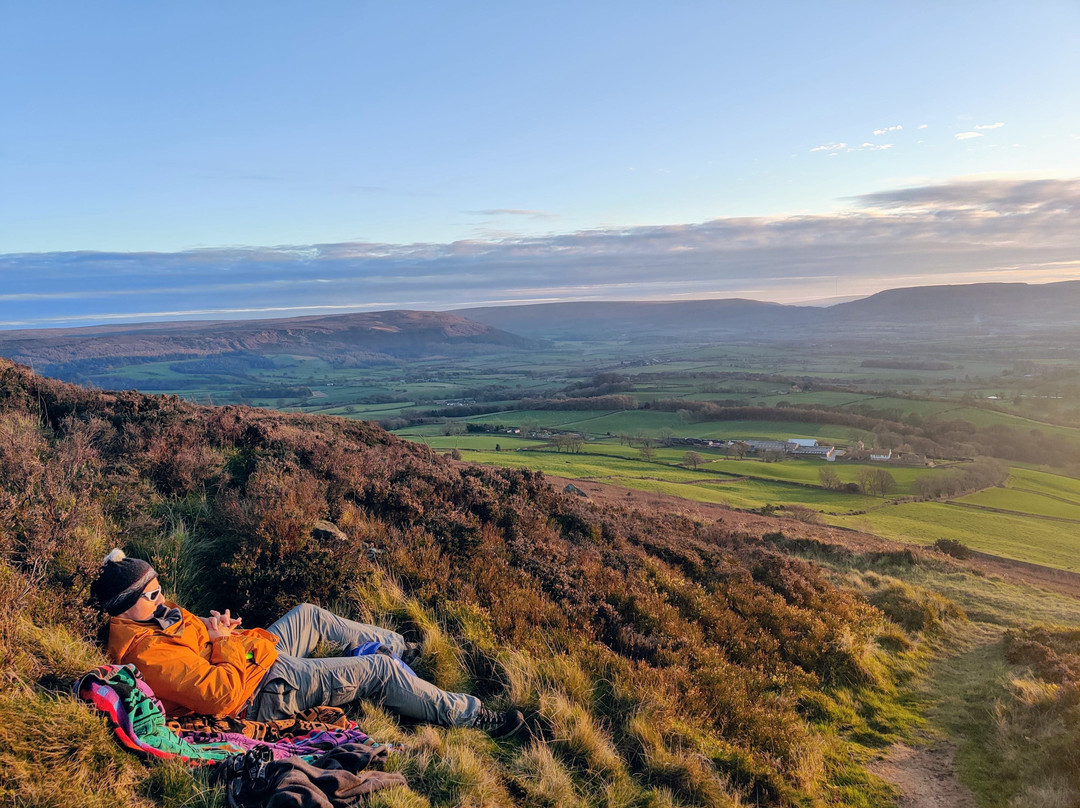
(663, 662)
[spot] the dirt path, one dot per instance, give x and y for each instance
(924, 777)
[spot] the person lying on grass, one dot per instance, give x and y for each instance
(211, 666)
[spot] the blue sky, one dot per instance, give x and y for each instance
(410, 154)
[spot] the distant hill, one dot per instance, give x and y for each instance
(987, 304)
(972, 310)
(949, 310)
(352, 338)
(620, 320)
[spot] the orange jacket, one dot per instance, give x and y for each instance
(188, 672)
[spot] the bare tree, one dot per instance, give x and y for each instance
(829, 479)
(647, 452)
(884, 482)
(692, 459)
(876, 482)
(865, 478)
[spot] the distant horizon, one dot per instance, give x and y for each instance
(965, 231)
(462, 311)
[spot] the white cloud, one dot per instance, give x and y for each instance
(923, 126)
(829, 147)
(534, 214)
(958, 230)
(888, 129)
(997, 125)
(967, 135)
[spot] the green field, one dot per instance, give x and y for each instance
(1044, 483)
(750, 494)
(807, 471)
(1019, 537)
(621, 467)
(1010, 499)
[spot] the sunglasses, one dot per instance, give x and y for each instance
(152, 594)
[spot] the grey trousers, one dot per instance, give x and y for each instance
(295, 683)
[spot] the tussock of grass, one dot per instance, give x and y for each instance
(682, 773)
(171, 784)
(455, 769)
(543, 780)
(578, 737)
(59, 655)
(397, 797)
(377, 722)
(1052, 794)
(915, 609)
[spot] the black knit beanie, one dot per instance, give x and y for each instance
(120, 582)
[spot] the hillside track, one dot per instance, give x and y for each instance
(1021, 572)
(923, 776)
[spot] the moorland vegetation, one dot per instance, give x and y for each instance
(662, 661)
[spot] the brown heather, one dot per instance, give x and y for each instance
(662, 661)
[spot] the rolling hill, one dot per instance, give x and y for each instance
(357, 337)
(971, 309)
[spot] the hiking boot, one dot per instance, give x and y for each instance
(498, 725)
(412, 652)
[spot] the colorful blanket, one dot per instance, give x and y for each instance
(138, 721)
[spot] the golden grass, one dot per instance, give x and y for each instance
(55, 752)
(454, 768)
(543, 779)
(679, 771)
(579, 738)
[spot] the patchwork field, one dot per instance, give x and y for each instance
(1035, 518)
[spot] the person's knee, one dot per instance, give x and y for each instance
(383, 668)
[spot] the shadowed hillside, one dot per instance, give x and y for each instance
(662, 661)
(379, 336)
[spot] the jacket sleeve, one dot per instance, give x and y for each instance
(207, 687)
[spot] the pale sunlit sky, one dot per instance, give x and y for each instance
(242, 159)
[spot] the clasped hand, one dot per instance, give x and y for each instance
(220, 625)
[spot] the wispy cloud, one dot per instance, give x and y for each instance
(833, 149)
(967, 135)
(997, 125)
(888, 129)
(956, 232)
(532, 214)
(923, 126)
